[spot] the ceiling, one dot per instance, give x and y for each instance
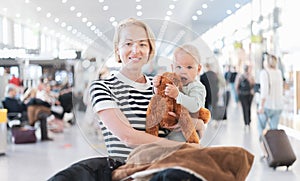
(87, 20)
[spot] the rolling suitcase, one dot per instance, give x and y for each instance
(220, 111)
(278, 148)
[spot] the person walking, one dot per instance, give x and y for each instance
(211, 82)
(271, 98)
(244, 86)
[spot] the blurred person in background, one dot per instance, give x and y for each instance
(244, 87)
(271, 94)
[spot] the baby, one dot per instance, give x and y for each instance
(186, 64)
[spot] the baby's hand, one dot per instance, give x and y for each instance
(171, 91)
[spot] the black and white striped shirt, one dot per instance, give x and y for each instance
(130, 97)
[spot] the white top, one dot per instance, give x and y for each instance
(271, 86)
(192, 96)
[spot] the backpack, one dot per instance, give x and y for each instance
(244, 86)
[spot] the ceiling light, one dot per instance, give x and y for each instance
(72, 8)
(228, 11)
(64, 1)
(89, 24)
(27, 1)
(138, 7)
(204, 6)
(167, 18)
(78, 14)
(74, 31)
(139, 13)
(114, 24)
(237, 5)
(84, 20)
(137, 1)
(48, 15)
(100, 34)
(63, 24)
(38, 9)
(111, 19)
(105, 8)
(101, 1)
(169, 13)
(69, 28)
(93, 27)
(171, 6)
(56, 20)
(194, 17)
(199, 12)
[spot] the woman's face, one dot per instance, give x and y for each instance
(134, 47)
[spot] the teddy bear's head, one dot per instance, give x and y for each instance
(168, 78)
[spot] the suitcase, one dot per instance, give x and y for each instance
(23, 135)
(278, 148)
(220, 111)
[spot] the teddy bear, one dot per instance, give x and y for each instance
(157, 115)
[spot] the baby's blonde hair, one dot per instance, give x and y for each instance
(189, 49)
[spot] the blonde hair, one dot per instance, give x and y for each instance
(189, 49)
(131, 21)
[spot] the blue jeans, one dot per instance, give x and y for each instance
(273, 115)
(174, 175)
(233, 92)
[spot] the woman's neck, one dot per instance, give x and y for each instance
(136, 76)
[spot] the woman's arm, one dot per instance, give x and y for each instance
(118, 124)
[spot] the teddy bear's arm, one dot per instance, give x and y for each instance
(157, 108)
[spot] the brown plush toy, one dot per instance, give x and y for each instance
(160, 105)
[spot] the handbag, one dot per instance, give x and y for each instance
(23, 135)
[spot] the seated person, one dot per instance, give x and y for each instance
(15, 107)
(51, 98)
(37, 112)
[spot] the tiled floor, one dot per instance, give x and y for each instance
(39, 161)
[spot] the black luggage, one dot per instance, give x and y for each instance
(278, 148)
(220, 111)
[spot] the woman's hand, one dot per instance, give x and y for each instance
(156, 80)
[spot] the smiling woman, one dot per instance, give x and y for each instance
(121, 100)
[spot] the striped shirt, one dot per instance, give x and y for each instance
(130, 97)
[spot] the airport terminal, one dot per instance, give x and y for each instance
(51, 53)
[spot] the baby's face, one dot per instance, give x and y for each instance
(186, 67)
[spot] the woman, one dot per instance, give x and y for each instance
(121, 100)
(271, 98)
